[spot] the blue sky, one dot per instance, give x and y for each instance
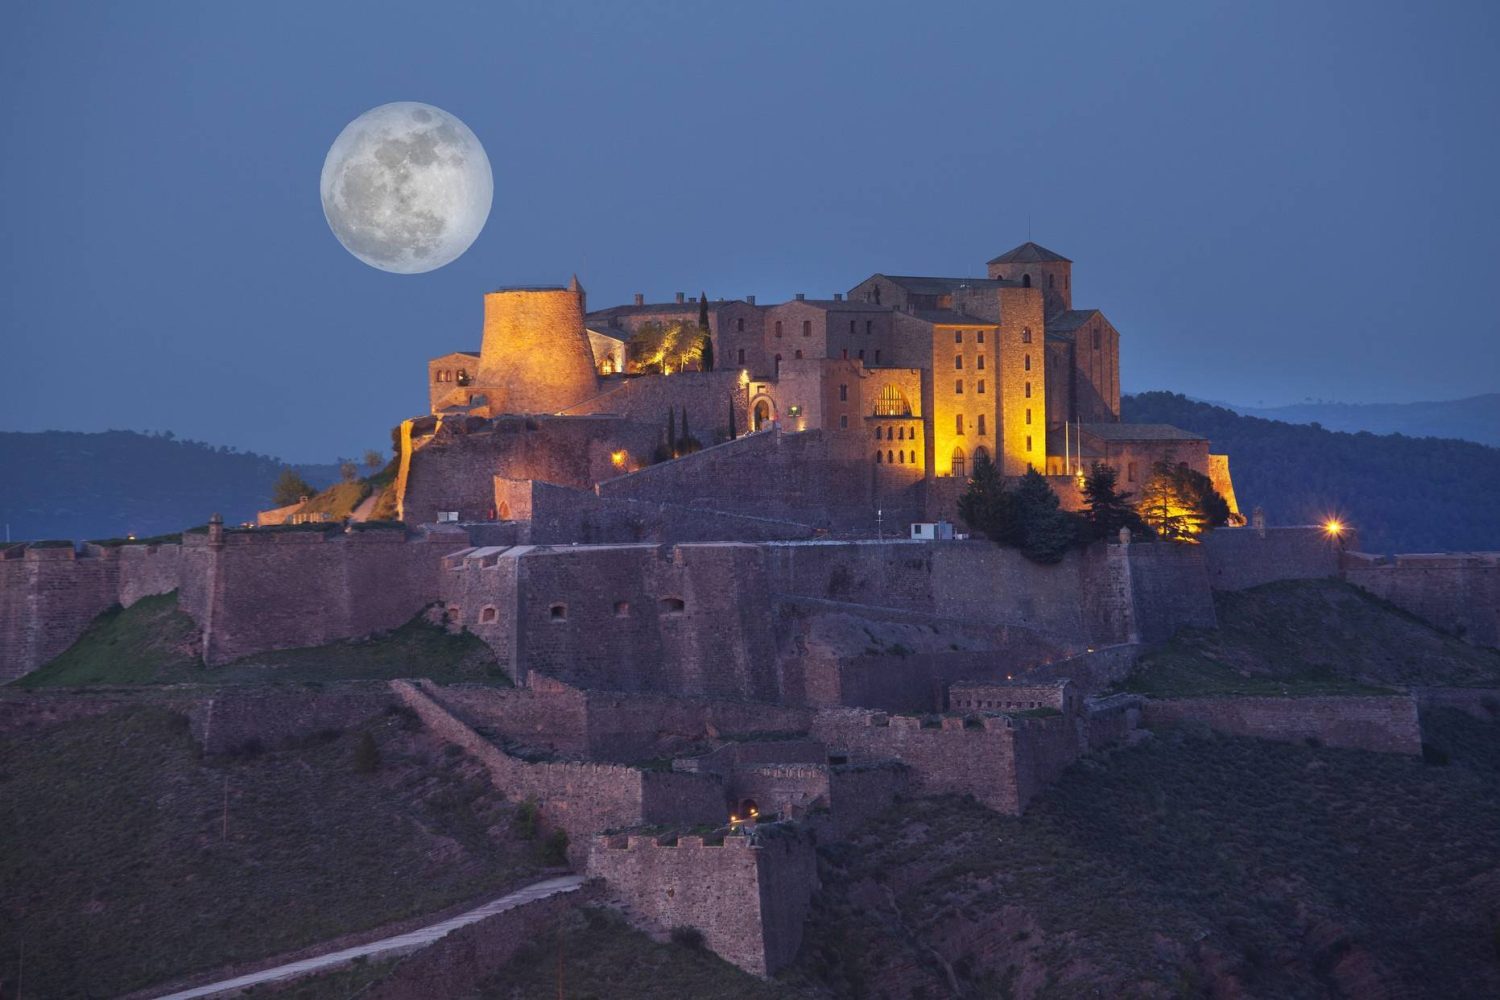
(1272, 201)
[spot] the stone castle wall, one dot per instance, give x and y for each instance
(1457, 592)
(1238, 558)
(1169, 587)
(749, 900)
(535, 356)
(708, 397)
(50, 594)
(263, 590)
(238, 719)
(1362, 723)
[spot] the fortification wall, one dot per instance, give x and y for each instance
(693, 619)
(1170, 588)
(261, 590)
(708, 398)
(557, 514)
(580, 799)
(624, 726)
(1363, 723)
(1238, 558)
(546, 714)
(233, 719)
(454, 965)
(858, 793)
(48, 596)
(146, 570)
(453, 468)
(748, 900)
(1020, 696)
(1457, 592)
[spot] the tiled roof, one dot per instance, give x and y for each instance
(927, 285)
(951, 317)
(1141, 432)
(1030, 253)
(612, 332)
(1065, 323)
(835, 305)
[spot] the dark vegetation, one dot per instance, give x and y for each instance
(600, 957)
(1189, 865)
(1310, 637)
(1476, 418)
(154, 642)
(119, 873)
(118, 483)
(1401, 494)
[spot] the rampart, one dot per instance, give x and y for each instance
(1238, 558)
(748, 896)
(257, 590)
(1358, 722)
(1457, 592)
(579, 798)
(50, 593)
(233, 719)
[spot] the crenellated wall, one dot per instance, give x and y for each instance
(1458, 592)
(748, 896)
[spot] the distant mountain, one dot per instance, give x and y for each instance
(1403, 494)
(65, 484)
(1474, 419)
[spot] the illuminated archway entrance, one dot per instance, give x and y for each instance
(760, 414)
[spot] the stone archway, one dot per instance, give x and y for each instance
(761, 413)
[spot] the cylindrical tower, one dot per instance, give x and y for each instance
(535, 357)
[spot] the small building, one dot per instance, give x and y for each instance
(932, 531)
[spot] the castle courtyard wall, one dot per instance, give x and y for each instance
(1386, 724)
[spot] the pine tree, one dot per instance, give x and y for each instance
(1047, 531)
(1107, 509)
(290, 488)
(987, 507)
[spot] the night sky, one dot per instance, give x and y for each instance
(1271, 201)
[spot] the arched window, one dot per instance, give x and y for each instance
(1025, 281)
(890, 456)
(981, 454)
(901, 434)
(891, 403)
(958, 461)
(504, 511)
(879, 458)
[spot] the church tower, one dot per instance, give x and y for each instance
(1034, 266)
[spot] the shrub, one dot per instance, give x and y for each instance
(524, 822)
(555, 848)
(366, 754)
(688, 937)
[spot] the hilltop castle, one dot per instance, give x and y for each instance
(893, 391)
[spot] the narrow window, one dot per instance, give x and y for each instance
(851, 326)
(846, 354)
(1096, 340)
(739, 325)
(958, 386)
(1028, 442)
(742, 355)
(844, 393)
(1027, 360)
(979, 336)
(558, 612)
(958, 461)
(799, 355)
(870, 323)
(878, 435)
(778, 328)
(877, 294)
(622, 609)
(980, 363)
(1028, 414)
(1028, 390)
(877, 355)
(958, 361)
(879, 458)
(1026, 335)
(1051, 281)
(844, 421)
(1130, 472)
(861, 354)
(958, 423)
(488, 614)
(890, 458)
(437, 376)
(1025, 281)
(958, 336)
(980, 388)
(982, 429)
(901, 457)
(900, 433)
(807, 328)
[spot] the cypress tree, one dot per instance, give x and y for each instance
(732, 434)
(706, 360)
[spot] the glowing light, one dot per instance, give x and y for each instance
(617, 458)
(1334, 527)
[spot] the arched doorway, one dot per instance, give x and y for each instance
(981, 454)
(761, 414)
(958, 462)
(749, 810)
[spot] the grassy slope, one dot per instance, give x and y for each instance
(116, 873)
(1310, 637)
(604, 959)
(1187, 862)
(151, 642)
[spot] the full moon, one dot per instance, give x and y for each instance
(407, 187)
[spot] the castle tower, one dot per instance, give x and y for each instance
(1034, 266)
(535, 357)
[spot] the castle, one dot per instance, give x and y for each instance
(893, 392)
(742, 609)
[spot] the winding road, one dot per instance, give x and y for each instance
(386, 947)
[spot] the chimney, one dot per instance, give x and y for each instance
(838, 296)
(680, 297)
(640, 299)
(750, 299)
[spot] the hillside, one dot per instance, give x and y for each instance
(1476, 418)
(64, 484)
(1402, 494)
(128, 858)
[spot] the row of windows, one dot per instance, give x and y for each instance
(806, 328)
(449, 375)
(958, 387)
(895, 433)
(958, 336)
(958, 362)
(979, 428)
(895, 458)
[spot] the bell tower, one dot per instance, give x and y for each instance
(1031, 265)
